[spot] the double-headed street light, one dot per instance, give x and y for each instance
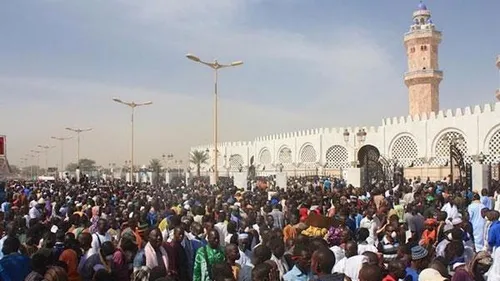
(358, 141)
(215, 65)
(61, 140)
(45, 148)
(132, 105)
(37, 153)
(78, 131)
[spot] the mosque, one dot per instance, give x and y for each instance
(429, 142)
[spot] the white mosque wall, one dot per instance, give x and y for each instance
(417, 141)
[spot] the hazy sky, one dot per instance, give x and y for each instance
(308, 64)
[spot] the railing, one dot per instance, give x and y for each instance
(424, 71)
(423, 31)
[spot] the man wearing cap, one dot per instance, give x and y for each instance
(245, 253)
(419, 262)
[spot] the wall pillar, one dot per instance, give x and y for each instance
(479, 177)
(352, 176)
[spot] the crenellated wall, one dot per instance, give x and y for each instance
(419, 140)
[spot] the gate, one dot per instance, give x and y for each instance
(372, 170)
(468, 176)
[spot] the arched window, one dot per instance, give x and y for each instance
(336, 157)
(493, 156)
(442, 148)
(265, 157)
(308, 154)
(235, 161)
(285, 156)
(404, 150)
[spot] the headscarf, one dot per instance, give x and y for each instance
(56, 273)
(94, 219)
(482, 257)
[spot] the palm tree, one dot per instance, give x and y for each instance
(155, 167)
(198, 158)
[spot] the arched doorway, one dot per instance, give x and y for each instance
(372, 170)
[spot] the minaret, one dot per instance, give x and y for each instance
(423, 76)
(498, 90)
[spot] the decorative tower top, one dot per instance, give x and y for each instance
(422, 18)
(423, 75)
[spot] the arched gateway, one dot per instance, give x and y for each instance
(372, 169)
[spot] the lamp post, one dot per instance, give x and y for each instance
(61, 140)
(78, 131)
(132, 105)
(24, 163)
(481, 158)
(359, 140)
(37, 153)
(31, 165)
(169, 157)
(45, 149)
(215, 65)
(179, 163)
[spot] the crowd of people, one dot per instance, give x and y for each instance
(314, 229)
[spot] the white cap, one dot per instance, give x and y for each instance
(54, 229)
(430, 274)
(456, 221)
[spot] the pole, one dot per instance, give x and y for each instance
(62, 156)
(451, 164)
(37, 164)
(215, 125)
(78, 150)
(132, 149)
(47, 161)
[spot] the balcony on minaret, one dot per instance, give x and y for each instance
(422, 76)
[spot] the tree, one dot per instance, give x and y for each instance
(32, 171)
(15, 169)
(198, 158)
(71, 167)
(155, 167)
(86, 165)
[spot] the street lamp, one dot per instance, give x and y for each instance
(45, 149)
(179, 163)
(215, 65)
(37, 152)
(78, 131)
(31, 164)
(481, 158)
(61, 140)
(359, 140)
(169, 158)
(132, 105)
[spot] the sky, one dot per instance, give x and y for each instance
(307, 64)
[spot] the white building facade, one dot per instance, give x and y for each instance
(419, 142)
